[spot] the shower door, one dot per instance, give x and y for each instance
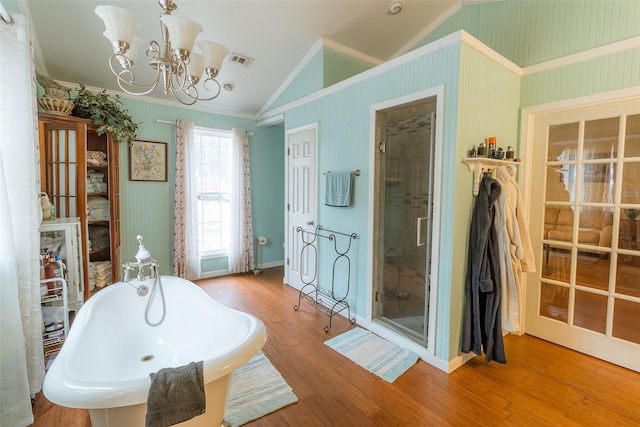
(404, 217)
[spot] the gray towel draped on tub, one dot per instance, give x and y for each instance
(337, 191)
(175, 395)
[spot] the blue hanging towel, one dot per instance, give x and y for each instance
(337, 189)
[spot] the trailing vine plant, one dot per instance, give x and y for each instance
(107, 112)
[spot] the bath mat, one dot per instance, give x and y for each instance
(376, 355)
(257, 389)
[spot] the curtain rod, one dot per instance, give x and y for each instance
(169, 122)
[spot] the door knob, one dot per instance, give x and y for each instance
(309, 222)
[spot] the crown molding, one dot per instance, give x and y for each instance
(164, 102)
(585, 55)
(350, 52)
(322, 42)
(294, 73)
(428, 29)
(382, 68)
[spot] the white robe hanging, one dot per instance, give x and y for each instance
(516, 252)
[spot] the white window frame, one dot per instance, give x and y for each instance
(200, 132)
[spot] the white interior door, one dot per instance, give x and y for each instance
(301, 200)
(585, 224)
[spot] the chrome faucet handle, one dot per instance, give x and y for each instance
(127, 269)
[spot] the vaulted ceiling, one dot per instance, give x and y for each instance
(276, 34)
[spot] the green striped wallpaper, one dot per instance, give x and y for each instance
(528, 32)
(146, 208)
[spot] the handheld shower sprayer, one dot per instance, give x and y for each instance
(143, 253)
(143, 258)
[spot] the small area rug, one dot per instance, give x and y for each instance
(376, 355)
(257, 389)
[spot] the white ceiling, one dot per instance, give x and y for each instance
(276, 34)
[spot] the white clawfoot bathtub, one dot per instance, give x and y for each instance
(104, 364)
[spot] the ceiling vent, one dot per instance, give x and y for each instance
(240, 59)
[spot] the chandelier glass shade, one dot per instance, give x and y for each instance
(178, 68)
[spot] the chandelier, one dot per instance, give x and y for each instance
(178, 68)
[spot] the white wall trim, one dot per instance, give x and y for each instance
(585, 55)
(351, 52)
(476, 44)
(428, 29)
(294, 73)
(274, 120)
(271, 264)
(398, 339)
(458, 361)
(322, 42)
(215, 273)
(438, 92)
(382, 68)
(167, 102)
(598, 98)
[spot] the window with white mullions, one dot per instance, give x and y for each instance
(213, 177)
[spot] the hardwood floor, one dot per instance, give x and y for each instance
(542, 384)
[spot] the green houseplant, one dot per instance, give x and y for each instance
(106, 112)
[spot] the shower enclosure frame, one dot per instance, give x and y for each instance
(380, 327)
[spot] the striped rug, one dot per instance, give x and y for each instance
(376, 355)
(257, 389)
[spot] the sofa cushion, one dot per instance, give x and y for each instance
(592, 219)
(585, 235)
(565, 217)
(551, 215)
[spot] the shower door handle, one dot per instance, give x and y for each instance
(419, 231)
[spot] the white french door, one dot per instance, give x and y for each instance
(301, 202)
(585, 226)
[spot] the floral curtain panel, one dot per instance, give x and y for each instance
(186, 249)
(241, 242)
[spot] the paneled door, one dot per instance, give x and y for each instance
(585, 225)
(301, 199)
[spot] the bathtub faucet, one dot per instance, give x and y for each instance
(127, 274)
(143, 258)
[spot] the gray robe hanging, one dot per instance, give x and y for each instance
(481, 327)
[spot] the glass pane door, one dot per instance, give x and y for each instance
(587, 292)
(405, 218)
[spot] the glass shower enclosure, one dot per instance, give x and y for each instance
(403, 217)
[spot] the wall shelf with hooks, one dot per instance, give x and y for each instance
(478, 165)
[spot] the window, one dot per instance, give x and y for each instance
(213, 178)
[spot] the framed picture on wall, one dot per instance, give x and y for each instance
(147, 161)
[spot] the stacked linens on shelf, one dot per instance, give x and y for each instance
(96, 158)
(95, 182)
(99, 274)
(97, 208)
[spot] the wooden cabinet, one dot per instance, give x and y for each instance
(80, 173)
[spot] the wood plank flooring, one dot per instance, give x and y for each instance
(542, 384)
